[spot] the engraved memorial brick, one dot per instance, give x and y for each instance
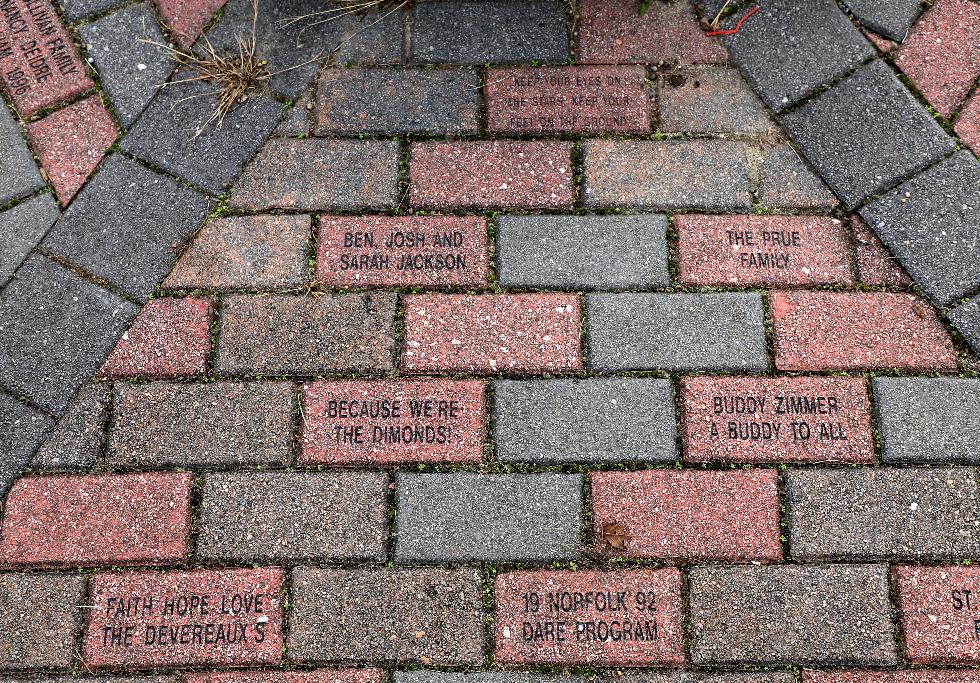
(939, 611)
(626, 618)
(777, 419)
(40, 65)
(775, 251)
(149, 620)
(568, 99)
(395, 251)
(392, 422)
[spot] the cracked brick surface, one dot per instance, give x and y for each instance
(490, 341)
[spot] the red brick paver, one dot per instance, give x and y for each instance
(393, 421)
(71, 142)
(612, 31)
(779, 419)
(125, 519)
(968, 123)
(939, 613)
(831, 331)
(187, 18)
(500, 174)
(511, 333)
(146, 620)
(875, 264)
(773, 251)
(39, 63)
(941, 54)
(168, 338)
(626, 618)
(568, 99)
(689, 515)
(392, 251)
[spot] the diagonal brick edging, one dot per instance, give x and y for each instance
(115, 243)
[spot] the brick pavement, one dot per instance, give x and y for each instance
(529, 341)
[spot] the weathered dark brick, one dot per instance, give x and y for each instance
(802, 615)
(164, 424)
(582, 252)
(307, 335)
(928, 420)
(778, 64)
(40, 619)
(494, 31)
(786, 183)
(130, 67)
(76, 442)
(866, 133)
(394, 101)
(930, 223)
(403, 616)
(966, 318)
(666, 174)
(21, 430)
(22, 227)
(265, 517)
(126, 224)
(313, 174)
(55, 329)
(710, 99)
(676, 332)
(19, 176)
(176, 133)
(622, 419)
(869, 514)
(245, 252)
(463, 517)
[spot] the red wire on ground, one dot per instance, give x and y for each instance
(738, 26)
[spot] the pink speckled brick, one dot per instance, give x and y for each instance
(71, 142)
(168, 338)
(852, 331)
(612, 31)
(187, 18)
(942, 53)
(569, 99)
(311, 676)
(39, 64)
(85, 521)
(939, 612)
(624, 618)
(148, 620)
(776, 419)
(730, 516)
(968, 123)
(875, 264)
(774, 251)
(907, 676)
(397, 251)
(382, 422)
(508, 333)
(491, 174)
